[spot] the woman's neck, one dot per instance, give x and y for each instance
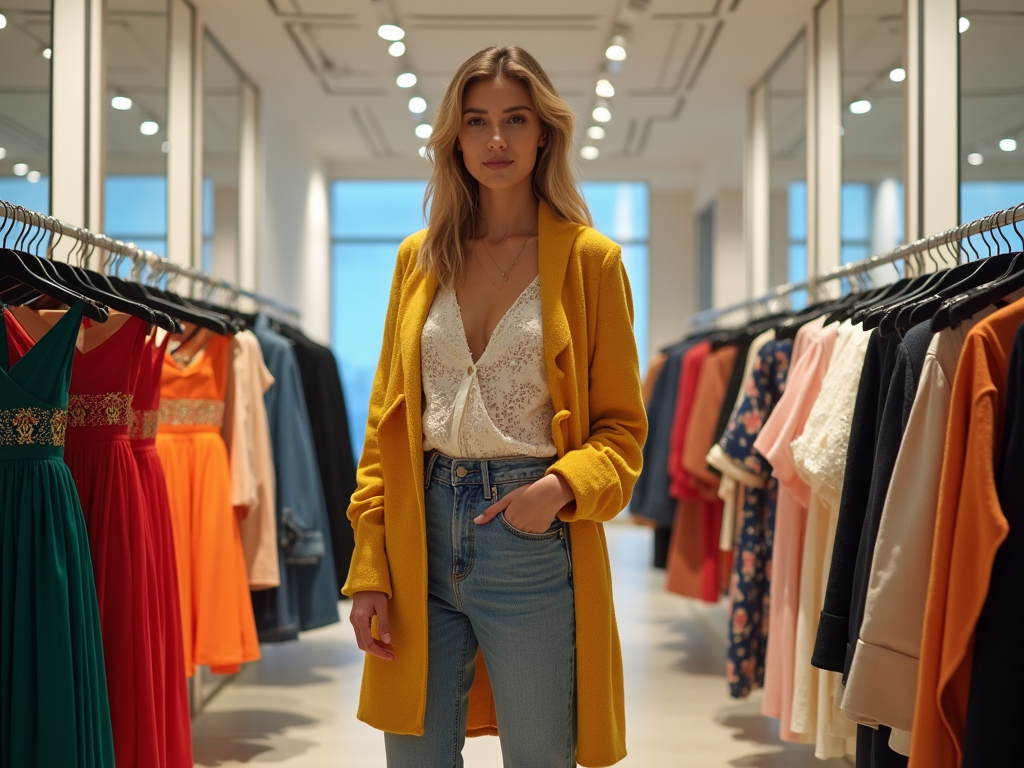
(507, 212)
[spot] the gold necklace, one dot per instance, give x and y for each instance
(505, 273)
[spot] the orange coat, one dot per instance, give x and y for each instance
(598, 429)
(969, 528)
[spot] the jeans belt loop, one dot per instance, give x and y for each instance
(485, 478)
(429, 473)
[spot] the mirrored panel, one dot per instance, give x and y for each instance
(136, 122)
(222, 136)
(787, 165)
(873, 77)
(991, 106)
(25, 53)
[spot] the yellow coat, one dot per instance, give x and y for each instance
(598, 429)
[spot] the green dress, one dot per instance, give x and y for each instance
(53, 689)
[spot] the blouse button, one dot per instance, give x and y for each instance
(470, 370)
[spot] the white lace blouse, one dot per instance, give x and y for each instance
(499, 406)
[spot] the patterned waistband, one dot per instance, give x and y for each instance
(143, 424)
(112, 409)
(33, 426)
(178, 412)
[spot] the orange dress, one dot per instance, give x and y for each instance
(216, 611)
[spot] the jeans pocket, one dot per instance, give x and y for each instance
(554, 532)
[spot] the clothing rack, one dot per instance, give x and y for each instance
(951, 238)
(141, 259)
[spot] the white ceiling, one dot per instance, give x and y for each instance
(678, 115)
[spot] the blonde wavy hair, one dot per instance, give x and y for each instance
(453, 195)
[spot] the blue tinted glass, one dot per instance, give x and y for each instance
(797, 272)
(798, 300)
(376, 209)
(619, 208)
(360, 284)
(982, 198)
(21, 191)
(136, 210)
(797, 209)
(856, 212)
(854, 253)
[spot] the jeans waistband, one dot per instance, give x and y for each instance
(484, 472)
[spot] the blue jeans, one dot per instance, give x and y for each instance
(508, 592)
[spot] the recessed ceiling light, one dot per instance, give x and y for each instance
(604, 89)
(397, 49)
(423, 130)
(964, 24)
(3, 21)
(47, 53)
(165, 147)
(3, 153)
(602, 114)
(406, 80)
(148, 128)
(423, 151)
(121, 102)
(975, 158)
(616, 50)
(590, 153)
(20, 169)
(615, 53)
(1008, 145)
(417, 105)
(33, 177)
(898, 75)
(391, 32)
(860, 107)
(595, 132)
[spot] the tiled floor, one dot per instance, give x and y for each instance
(296, 707)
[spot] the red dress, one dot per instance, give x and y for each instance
(174, 720)
(100, 457)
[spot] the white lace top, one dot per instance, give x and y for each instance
(499, 406)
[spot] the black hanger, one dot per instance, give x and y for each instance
(965, 306)
(13, 265)
(214, 321)
(985, 271)
(919, 286)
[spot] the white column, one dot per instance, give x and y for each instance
(757, 198)
(198, 56)
(912, 121)
(97, 111)
(69, 121)
(180, 133)
(829, 141)
(812, 143)
(672, 267)
(248, 186)
(940, 116)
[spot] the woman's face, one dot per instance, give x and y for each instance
(500, 134)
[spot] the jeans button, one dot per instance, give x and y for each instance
(461, 471)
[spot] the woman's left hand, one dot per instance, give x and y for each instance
(531, 508)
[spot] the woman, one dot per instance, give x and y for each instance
(506, 425)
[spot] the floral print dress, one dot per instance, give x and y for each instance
(751, 575)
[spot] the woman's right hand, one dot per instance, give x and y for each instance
(366, 605)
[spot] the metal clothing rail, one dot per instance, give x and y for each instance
(949, 238)
(141, 259)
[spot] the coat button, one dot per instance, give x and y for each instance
(461, 471)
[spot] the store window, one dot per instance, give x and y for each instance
(787, 169)
(25, 54)
(369, 220)
(222, 137)
(873, 78)
(991, 107)
(135, 201)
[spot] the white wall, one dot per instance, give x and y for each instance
(673, 266)
(293, 262)
(731, 264)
